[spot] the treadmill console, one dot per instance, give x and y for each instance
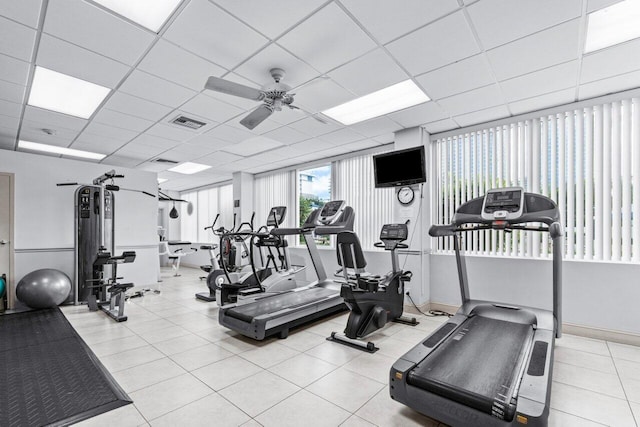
(503, 204)
(276, 216)
(331, 212)
(394, 232)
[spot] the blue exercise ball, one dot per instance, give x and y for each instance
(44, 288)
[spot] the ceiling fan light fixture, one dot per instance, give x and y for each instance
(613, 25)
(384, 101)
(151, 14)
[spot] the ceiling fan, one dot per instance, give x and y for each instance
(273, 96)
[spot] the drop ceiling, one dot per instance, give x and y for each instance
(477, 61)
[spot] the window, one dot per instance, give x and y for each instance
(206, 205)
(314, 191)
(586, 159)
(373, 207)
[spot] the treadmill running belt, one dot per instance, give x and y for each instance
(275, 303)
(477, 366)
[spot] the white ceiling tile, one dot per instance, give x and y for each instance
(327, 39)
(386, 20)
(550, 79)
(97, 143)
(313, 127)
(156, 89)
(26, 12)
(60, 133)
(440, 126)
(30, 132)
(76, 61)
(135, 106)
(482, 116)
(10, 108)
(155, 141)
(153, 167)
(286, 135)
(501, 21)
(273, 56)
(361, 145)
(52, 119)
(171, 132)
(618, 59)
(311, 146)
(206, 30)
(342, 136)
(7, 139)
(122, 161)
(541, 50)
(287, 116)
(179, 155)
(172, 63)
(139, 153)
(544, 101)
(610, 85)
(290, 151)
(208, 143)
(252, 146)
(464, 75)
(255, 13)
(12, 92)
(120, 120)
(118, 134)
(14, 70)
(427, 48)
(375, 127)
(230, 133)
(477, 99)
(9, 122)
(95, 29)
(415, 116)
(385, 138)
(210, 108)
(16, 40)
(593, 5)
(369, 73)
(322, 95)
(218, 158)
(244, 164)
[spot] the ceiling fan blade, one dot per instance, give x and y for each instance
(236, 89)
(256, 117)
(308, 113)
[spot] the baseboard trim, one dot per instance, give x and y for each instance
(567, 328)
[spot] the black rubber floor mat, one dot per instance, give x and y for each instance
(49, 375)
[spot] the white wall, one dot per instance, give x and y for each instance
(597, 295)
(44, 215)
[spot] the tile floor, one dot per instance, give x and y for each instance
(181, 368)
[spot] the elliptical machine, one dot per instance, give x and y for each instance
(373, 300)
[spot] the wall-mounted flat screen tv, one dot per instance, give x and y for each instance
(402, 167)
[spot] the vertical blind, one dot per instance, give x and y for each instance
(586, 159)
(354, 183)
(206, 205)
(277, 189)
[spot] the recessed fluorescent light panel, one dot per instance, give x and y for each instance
(393, 98)
(65, 94)
(28, 145)
(613, 25)
(151, 14)
(189, 168)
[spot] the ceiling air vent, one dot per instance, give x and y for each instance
(159, 160)
(187, 122)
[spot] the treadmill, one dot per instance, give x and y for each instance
(275, 314)
(491, 363)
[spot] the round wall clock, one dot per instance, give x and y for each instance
(406, 195)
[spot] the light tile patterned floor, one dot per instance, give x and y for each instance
(181, 368)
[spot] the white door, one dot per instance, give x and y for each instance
(6, 233)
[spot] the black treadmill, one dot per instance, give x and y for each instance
(491, 363)
(275, 314)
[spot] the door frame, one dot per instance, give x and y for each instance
(10, 285)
